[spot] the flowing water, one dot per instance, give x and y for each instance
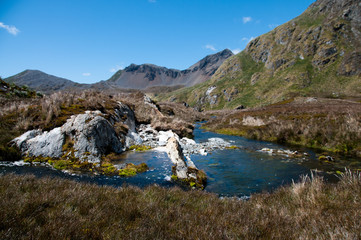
(231, 172)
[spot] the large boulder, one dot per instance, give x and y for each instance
(85, 136)
(92, 135)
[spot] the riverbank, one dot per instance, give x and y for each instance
(326, 124)
(37, 208)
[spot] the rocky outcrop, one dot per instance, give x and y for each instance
(92, 135)
(85, 136)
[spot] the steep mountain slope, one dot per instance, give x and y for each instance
(315, 54)
(44, 82)
(149, 75)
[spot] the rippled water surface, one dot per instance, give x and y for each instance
(236, 172)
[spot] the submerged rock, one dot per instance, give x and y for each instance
(287, 153)
(175, 154)
(187, 173)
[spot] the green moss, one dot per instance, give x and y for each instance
(111, 157)
(62, 164)
(127, 172)
(131, 169)
(108, 169)
(38, 159)
(232, 147)
(142, 167)
(201, 179)
(200, 182)
(139, 148)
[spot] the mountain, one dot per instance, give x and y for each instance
(133, 77)
(44, 82)
(316, 54)
(149, 75)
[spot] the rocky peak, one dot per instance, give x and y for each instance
(149, 75)
(212, 61)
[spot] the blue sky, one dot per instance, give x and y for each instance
(88, 40)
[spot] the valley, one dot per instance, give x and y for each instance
(262, 143)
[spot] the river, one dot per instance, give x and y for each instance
(231, 172)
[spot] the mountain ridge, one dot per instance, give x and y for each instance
(150, 75)
(316, 54)
(43, 82)
(132, 77)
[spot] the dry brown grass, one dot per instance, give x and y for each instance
(18, 115)
(327, 124)
(51, 208)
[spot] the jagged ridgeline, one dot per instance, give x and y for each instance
(316, 54)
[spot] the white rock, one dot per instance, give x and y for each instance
(20, 142)
(164, 136)
(203, 152)
(47, 144)
(188, 141)
(92, 134)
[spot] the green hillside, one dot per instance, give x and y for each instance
(316, 54)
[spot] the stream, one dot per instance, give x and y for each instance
(231, 172)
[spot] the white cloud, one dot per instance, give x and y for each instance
(248, 39)
(236, 51)
(116, 68)
(272, 26)
(11, 29)
(246, 19)
(210, 47)
(86, 74)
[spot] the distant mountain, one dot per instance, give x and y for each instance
(133, 77)
(44, 82)
(149, 75)
(315, 54)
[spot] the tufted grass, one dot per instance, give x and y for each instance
(53, 208)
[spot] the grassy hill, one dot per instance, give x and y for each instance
(316, 54)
